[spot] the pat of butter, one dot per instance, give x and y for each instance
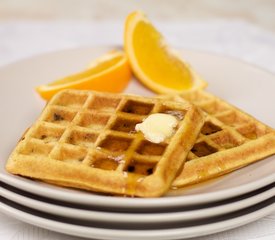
(157, 127)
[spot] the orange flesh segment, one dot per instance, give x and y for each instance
(177, 77)
(110, 73)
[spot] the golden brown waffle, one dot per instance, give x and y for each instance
(87, 140)
(229, 139)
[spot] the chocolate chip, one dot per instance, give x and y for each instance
(131, 168)
(57, 117)
(43, 137)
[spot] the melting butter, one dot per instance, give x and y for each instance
(157, 127)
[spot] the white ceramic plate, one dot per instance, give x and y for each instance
(180, 230)
(246, 86)
(179, 214)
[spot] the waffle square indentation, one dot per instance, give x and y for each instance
(105, 162)
(34, 148)
(104, 104)
(210, 128)
(125, 125)
(48, 133)
(178, 113)
(138, 108)
(84, 139)
(233, 119)
(71, 100)
(71, 154)
(95, 121)
(226, 140)
(60, 116)
(202, 149)
(115, 144)
(213, 107)
(149, 148)
(141, 168)
(252, 131)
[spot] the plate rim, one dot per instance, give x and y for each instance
(120, 202)
(134, 217)
(105, 233)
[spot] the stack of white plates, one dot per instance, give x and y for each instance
(107, 217)
(217, 205)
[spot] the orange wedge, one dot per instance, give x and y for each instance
(109, 73)
(153, 62)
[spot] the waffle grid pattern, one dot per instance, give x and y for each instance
(98, 131)
(225, 128)
(92, 135)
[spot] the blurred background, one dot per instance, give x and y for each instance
(260, 12)
(244, 29)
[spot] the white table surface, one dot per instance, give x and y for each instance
(235, 38)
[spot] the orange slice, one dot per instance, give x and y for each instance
(109, 73)
(153, 62)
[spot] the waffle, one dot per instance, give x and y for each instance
(230, 139)
(87, 140)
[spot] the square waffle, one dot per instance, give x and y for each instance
(87, 140)
(229, 139)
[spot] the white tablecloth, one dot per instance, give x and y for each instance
(235, 38)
